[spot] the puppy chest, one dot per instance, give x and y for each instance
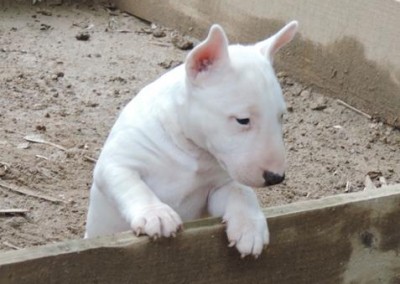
(183, 190)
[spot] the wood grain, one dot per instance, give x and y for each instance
(351, 238)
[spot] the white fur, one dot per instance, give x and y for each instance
(177, 153)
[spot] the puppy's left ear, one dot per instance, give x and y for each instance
(271, 45)
(209, 55)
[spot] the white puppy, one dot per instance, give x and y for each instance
(193, 142)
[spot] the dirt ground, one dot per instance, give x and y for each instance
(65, 93)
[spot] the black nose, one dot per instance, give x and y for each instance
(271, 178)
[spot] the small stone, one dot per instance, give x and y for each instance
(168, 64)
(319, 104)
(374, 174)
(91, 104)
(24, 145)
(41, 128)
(83, 36)
(306, 94)
(181, 42)
(157, 32)
(44, 12)
(44, 27)
(118, 79)
(296, 89)
(282, 74)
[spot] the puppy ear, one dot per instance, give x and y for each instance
(208, 55)
(271, 45)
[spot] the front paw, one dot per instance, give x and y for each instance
(156, 220)
(249, 233)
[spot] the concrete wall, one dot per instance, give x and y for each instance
(350, 49)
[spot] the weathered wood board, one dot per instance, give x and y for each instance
(350, 49)
(352, 238)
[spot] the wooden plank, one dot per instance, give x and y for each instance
(352, 238)
(347, 48)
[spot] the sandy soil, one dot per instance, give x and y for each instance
(68, 92)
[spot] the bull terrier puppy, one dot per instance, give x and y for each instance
(193, 143)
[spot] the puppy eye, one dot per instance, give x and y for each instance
(243, 121)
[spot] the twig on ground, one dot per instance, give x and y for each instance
(353, 109)
(383, 181)
(41, 157)
(368, 183)
(124, 31)
(159, 43)
(38, 139)
(28, 192)
(10, 245)
(348, 187)
(90, 159)
(13, 211)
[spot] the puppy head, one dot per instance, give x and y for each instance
(235, 105)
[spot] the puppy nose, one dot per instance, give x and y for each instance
(271, 178)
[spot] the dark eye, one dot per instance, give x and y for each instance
(243, 121)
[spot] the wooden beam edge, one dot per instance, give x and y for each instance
(331, 201)
(126, 239)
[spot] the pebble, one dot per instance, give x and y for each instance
(44, 27)
(296, 89)
(319, 104)
(157, 32)
(168, 64)
(83, 36)
(181, 42)
(305, 94)
(44, 12)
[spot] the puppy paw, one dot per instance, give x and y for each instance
(156, 220)
(249, 234)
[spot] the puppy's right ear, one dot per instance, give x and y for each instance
(209, 55)
(271, 45)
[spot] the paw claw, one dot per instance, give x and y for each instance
(248, 234)
(156, 220)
